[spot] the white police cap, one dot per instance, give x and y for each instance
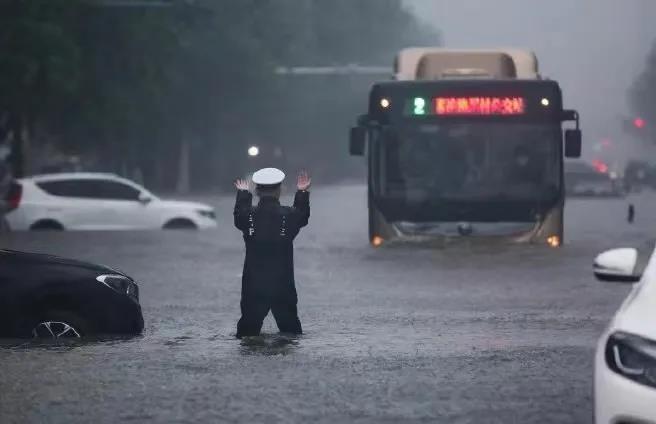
(268, 176)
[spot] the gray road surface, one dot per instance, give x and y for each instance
(393, 335)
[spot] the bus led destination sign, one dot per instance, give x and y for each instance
(467, 106)
(479, 106)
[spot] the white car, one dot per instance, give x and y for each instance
(625, 361)
(94, 201)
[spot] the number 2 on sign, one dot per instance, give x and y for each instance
(420, 106)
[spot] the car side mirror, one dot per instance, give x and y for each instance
(357, 141)
(617, 265)
(573, 143)
(144, 199)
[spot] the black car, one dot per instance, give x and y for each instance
(48, 296)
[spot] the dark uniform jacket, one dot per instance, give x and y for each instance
(269, 230)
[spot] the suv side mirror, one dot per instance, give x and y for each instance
(144, 199)
(573, 143)
(357, 140)
(617, 265)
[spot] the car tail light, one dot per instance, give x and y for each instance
(14, 195)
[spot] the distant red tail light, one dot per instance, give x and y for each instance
(600, 166)
(14, 196)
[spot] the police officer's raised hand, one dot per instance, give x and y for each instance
(303, 181)
(242, 184)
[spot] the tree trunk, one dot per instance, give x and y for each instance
(182, 185)
(26, 139)
(19, 133)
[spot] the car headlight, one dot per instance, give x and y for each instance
(632, 357)
(210, 214)
(120, 284)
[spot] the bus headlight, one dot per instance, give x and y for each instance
(377, 241)
(553, 241)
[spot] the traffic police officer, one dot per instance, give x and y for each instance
(269, 230)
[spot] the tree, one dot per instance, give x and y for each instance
(144, 86)
(38, 66)
(642, 98)
(314, 112)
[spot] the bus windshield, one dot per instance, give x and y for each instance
(471, 161)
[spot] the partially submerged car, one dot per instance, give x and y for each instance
(585, 180)
(639, 174)
(625, 361)
(53, 297)
(94, 201)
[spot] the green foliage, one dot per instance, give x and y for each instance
(643, 96)
(127, 84)
(39, 64)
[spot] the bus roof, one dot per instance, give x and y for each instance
(466, 84)
(408, 61)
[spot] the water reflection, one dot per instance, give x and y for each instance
(269, 344)
(64, 344)
(178, 341)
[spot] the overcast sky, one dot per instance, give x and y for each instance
(594, 48)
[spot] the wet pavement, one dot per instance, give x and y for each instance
(457, 335)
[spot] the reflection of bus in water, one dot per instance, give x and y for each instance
(455, 158)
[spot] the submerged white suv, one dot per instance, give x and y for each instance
(94, 201)
(625, 362)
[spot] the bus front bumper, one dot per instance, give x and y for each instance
(544, 232)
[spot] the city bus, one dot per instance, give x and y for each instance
(476, 159)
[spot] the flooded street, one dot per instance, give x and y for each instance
(458, 335)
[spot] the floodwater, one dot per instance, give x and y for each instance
(456, 335)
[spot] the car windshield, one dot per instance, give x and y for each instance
(471, 161)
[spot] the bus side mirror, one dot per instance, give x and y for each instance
(364, 120)
(573, 143)
(357, 141)
(571, 115)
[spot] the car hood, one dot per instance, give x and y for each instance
(35, 259)
(638, 312)
(181, 205)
